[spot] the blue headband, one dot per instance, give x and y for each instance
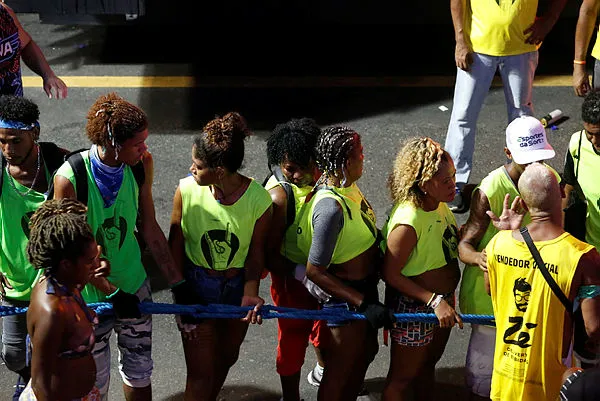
(12, 124)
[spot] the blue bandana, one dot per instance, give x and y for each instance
(108, 179)
(12, 124)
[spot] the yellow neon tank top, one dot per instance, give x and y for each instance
(359, 231)
(529, 317)
(437, 236)
(589, 163)
(218, 236)
(495, 27)
(289, 246)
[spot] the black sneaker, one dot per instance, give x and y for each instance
(458, 205)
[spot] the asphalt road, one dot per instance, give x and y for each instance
(383, 115)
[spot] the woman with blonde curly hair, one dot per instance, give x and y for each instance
(218, 236)
(420, 263)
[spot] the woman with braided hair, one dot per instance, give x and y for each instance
(118, 172)
(60, 325)
(218, 236)
(420, 264)
(337, 231)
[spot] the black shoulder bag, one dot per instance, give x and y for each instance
(580, 335)
(576, 211)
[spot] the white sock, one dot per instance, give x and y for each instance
(319, 370)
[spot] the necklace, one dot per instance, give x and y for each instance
(37, 173)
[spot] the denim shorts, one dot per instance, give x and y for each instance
(216, 289)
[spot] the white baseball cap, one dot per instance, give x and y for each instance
(527, 142)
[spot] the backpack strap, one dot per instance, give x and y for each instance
(289, 191)
(53, 157)
(77, 164)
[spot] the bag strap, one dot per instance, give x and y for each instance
(542, 268)
(578, 157)
(78, 166)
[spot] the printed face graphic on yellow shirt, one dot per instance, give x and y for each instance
(521, 292)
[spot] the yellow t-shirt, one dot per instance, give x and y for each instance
(529, 317)
(596, 48)
(495, 27)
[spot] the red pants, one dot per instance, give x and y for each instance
(294, 334)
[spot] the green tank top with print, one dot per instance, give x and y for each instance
(289, 245)
(359, 231)
(218, 236)
(113, 228)
(15, 212)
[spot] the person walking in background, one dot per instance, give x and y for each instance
(17, 44)
(503, 36)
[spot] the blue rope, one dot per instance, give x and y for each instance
(218, 311)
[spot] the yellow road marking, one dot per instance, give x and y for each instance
(272, 82)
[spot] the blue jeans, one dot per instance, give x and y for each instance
(14, 333)
(470, 91)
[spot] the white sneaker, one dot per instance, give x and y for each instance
(314, 377)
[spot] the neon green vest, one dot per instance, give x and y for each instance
(114, 231)
(589, 165)
(359, 231)
(289, 246)
(437, 236)
(218, 236)
(15, 212)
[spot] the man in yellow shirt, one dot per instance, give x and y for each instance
(534, 327)
(492, 35)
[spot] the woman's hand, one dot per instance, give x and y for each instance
(447, 315)
(253, 315)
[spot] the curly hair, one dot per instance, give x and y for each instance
(17, 108)
(59, 231)
(113, 120)
(333, 149)
(221, 143)
(416, 163)
(295, 141)
(590, 109)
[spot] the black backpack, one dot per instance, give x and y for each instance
(53, 156)
(291, 200)
(77, 164)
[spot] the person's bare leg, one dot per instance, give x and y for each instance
(405, 364)
(290, 387)
(137, 393)
(230, 335)
(425, 381)
(347, 346)
(320, 354)
(200, 359)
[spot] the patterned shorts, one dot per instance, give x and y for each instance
(28, 395)
(412, 334)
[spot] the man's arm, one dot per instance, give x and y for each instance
(589, 265)
(541, 26)
(583, 33)
(474, 230)
(463, 54)
(34, 59)
(151, 231)
(276, 262)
